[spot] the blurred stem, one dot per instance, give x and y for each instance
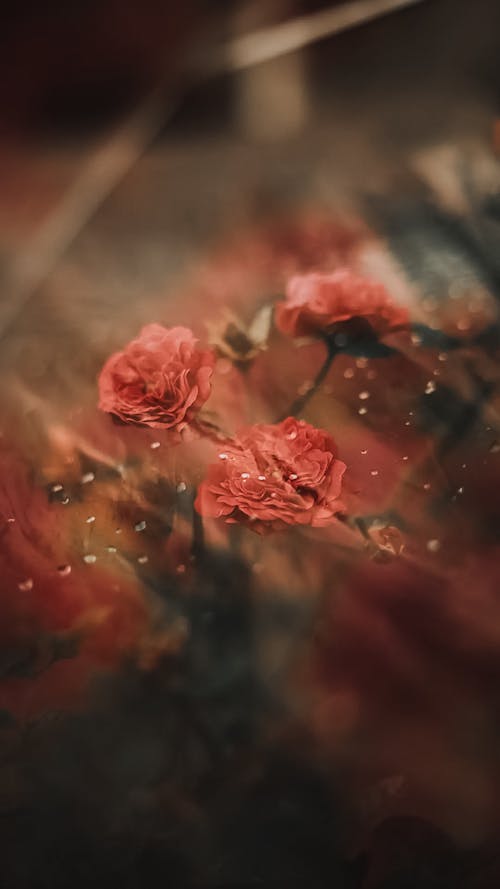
(198, 538)
(299, 404)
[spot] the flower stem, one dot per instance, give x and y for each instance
(299, 404)
(198, 538)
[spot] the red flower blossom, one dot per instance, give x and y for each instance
(275, 476)
(315, 303)
(159, 380)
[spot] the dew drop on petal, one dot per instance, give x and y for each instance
(293, 476)
(56, 488)
(142, 560)
(222, 456)
(430, 387)
(364, 395)
(245, 475)
(26, 585)
(292, 435)
(363, 410)
(261, 478)
(140, 526)
(154, 445)
(90, 558)
(427, 486)
(181, 487)
(64, 570)
(349, 373)
(87, 478)
(111, 549)
(374, 472)
(364, 451)
(90, 519)
(433, 545)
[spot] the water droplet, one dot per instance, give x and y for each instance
(118, 531)
(87, 478)
(140, 526)
(405, 457)
(436, 372)
(90, 558)
(111, 549)
(261, 478)
(181, 569)
(26, 585)
(433, 545)
(245, 475)
(416, 339)
(64, 570)
(292, 435)
(222, 456)
(442, 356)
(11, 520)
(142, 560)
(427, 486)
(361, 362)
(430, 387)
(364, 395)
(56, 488)
(494, 447)
(349, 373)
(364, 451)
(90, 519)
(305, 387)
(374, 472)
(363, 410)
(460, 490)
(181, 487)
(293, 476)
(154, 445)
(65, 501)
(407, 423)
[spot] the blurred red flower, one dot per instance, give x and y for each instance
(315, 303)
(275, 476)
(159, 380)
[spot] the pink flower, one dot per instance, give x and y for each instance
(159, 380)
(315, 303)
(275, 476)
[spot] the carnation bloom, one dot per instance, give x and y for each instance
(275, 476)
(316, 303)
(159, 380)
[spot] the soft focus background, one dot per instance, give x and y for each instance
(302, 716)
